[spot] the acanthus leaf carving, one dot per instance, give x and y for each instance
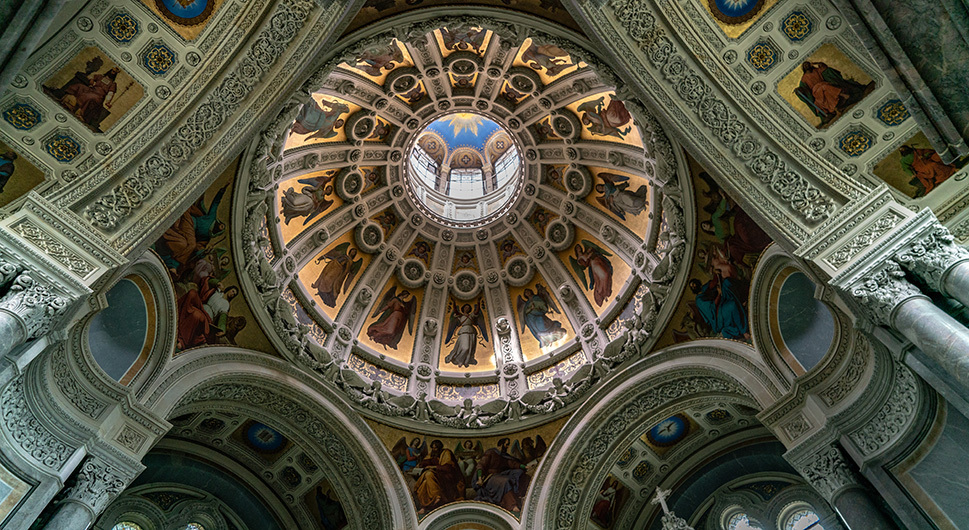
(932, 255)
(881, 291)
(828, 472)
(36, 305)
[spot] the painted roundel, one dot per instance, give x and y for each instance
(669, 431)
(186, 12)
(264, 438)
(735, 11)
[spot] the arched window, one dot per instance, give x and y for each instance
(803, 519)
(194, 526)
(740, 521)
(124, 525)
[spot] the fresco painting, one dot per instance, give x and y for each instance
(324, 506)
(388, 221)
(542, 325)
(604, 117)
(421, 249)
(390, 328)
(623, 196)
(197, 253)
(329, 278)
(376, 63)
(597, 270)
(17, 175)
(262, 440)
(729, 242)
(507, 248)
(510, 94)
(321, 120)
(540, 218)
(492, 469)
(187, 18)
(304, 199)
(465, 259)
(548, 60)
(554, 175)
(94, 89)
(474, 40)
(608, 504)
(373, 177)
(415, 95)
(666, 434)
(468, 341)
(915, 169)
(825, 86)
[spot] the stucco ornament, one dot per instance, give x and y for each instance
(34, 303)
(828, 472)
(97, 485)
(881, 291)
(931, 256)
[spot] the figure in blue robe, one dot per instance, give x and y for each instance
(721, 307)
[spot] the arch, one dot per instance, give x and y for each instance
(470, 516)
(644, 393)
(213, 378)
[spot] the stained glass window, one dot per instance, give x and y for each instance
(739, 521)
(124, 525)
(194, 526)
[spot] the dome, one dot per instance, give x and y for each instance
(472, 223)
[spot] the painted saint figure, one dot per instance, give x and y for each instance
(605, 120)
(591, 258)
(722, 306)
(332, 516)
(338, 273)
(826, 91)
(548, 56)
(604, 509)
(533, 310)
(396, 311)
(468, 321)
(617, 198)
(310, 201)
(7, 160)
(89, 95)
(203, 316)
(320, 119)
(926, 168)
(440, 481)
(502, 478)
(192, 233)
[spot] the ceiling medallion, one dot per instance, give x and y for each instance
(462, 190)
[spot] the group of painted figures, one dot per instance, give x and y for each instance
(439, 475)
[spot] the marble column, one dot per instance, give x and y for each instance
(938, 261)
(890, 300)
(97, 485)
(27, 310)
(830, 474)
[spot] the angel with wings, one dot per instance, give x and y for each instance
(310, 201)
(606, 120)
(468, 453)
(408, 456)
(593, 259)
(616, 197)
(396, 311)
(467, 321)
(533, 310)
(338, 273)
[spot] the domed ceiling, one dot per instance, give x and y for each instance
(465, 227)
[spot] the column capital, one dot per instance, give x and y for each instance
(828, 472)
(98, 483)
(35, 305)
(932, 254)
(881, 291)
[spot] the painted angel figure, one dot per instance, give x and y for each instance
(468, 453)
(617, 198)
(338, 273)
(463, 39)
(606, 120)
(373, 61)
(468, 321)
(591, 258)
(548, 56)
(396, 311)
(310, 201)
(533, 310)
(409, 455)
(320, 119)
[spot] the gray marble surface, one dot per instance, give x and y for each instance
(942, 473)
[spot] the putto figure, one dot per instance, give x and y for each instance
(467, 321)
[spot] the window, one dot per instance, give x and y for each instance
(803, 519)
(194, 526)
(124, 525)
(740, 521)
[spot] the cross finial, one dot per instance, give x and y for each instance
(661, 496)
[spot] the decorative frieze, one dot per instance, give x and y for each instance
(36, 305)
(828, 472)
